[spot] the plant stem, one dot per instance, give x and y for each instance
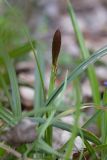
(104, 124)
(51, 88)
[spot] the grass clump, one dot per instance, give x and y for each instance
(39, 123)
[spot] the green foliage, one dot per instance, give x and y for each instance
(85, 54)
(11, 28)
(47, 112)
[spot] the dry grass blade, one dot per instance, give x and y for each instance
(10, 150)
(13, 152)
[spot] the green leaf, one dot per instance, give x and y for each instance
(100, 148)
(5, 88)
(64, 126)
(104, 124)
(86, 134)
(16, 107)
(74, 128)
(25, 48)
(77, 71)
(90, 120)
(46, 124)
(7, 116)
(21, 50)
(45, 147)
(85, 54)
(91, 150)
(38, 100)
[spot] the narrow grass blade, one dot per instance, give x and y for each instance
(64, 126)
(45, 147)
(39, 98)
(86, 134)
(10, 150)
(46, 124)
(104, 119)
(21, 50)
(76, 120)
(85, 54)
(104, 124)
(61, 95)
(16, 107)
(38, 65)
(100, 148)
(90, 120)
(32, 46)
(77, 71)
(7, 116)
(5, 88)
(91, 150)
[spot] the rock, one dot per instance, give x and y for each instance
(27, 96)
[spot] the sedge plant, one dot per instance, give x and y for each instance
(48, 114)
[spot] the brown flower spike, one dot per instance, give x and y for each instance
(56, 44)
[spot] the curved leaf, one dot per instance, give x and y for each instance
(77, 71)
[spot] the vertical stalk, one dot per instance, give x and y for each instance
(55, 52)
(104, 123)
(85, 54)
(75, 126)
(51, 88)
